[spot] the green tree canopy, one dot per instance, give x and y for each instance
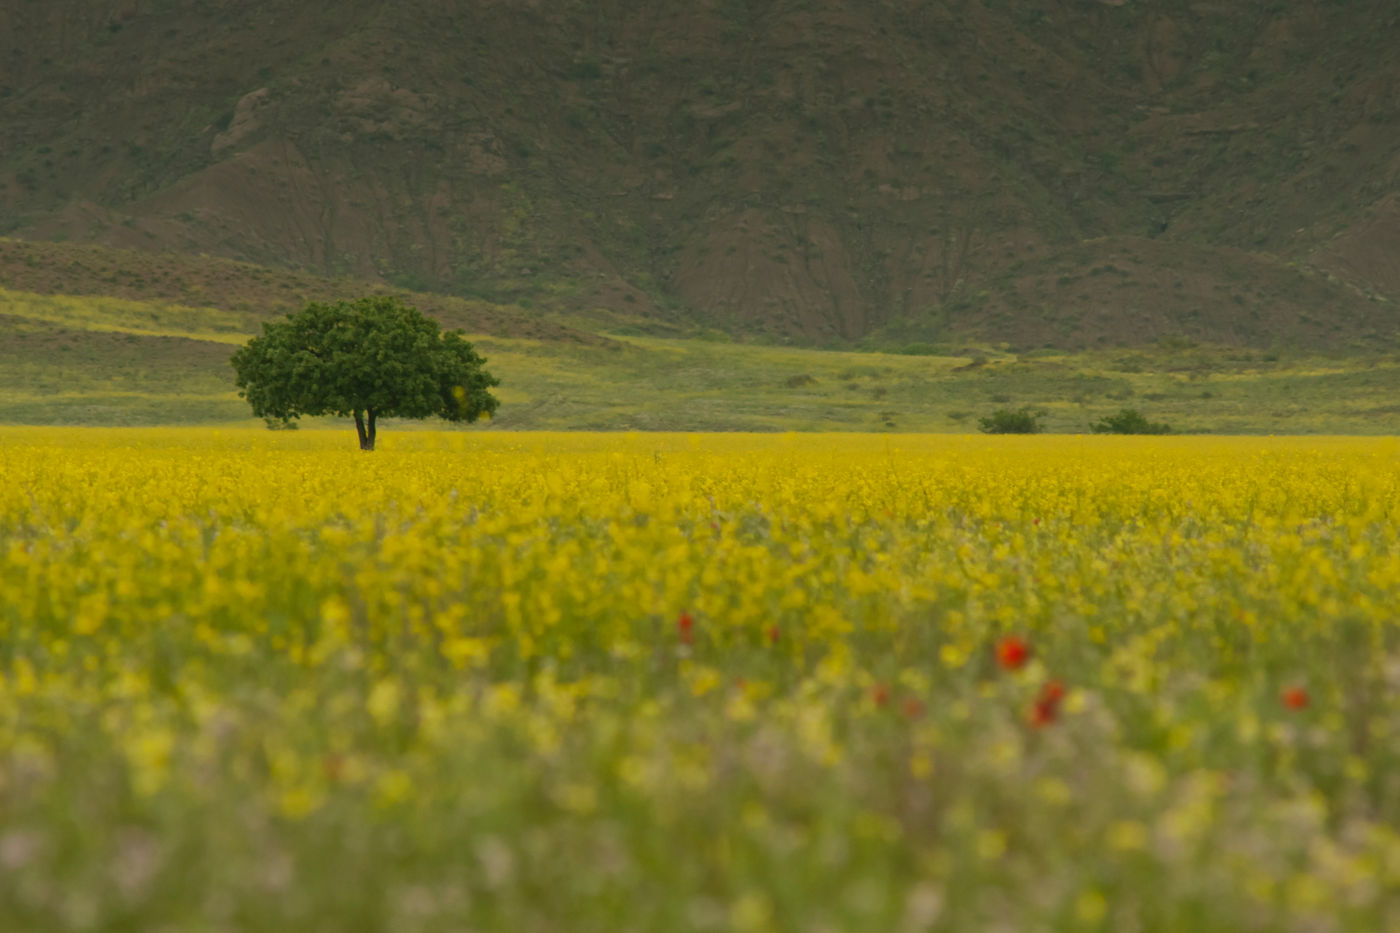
(1006, 421)
(365, 358)
(1129, 421)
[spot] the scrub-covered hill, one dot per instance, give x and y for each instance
(813, 169)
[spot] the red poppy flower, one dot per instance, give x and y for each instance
(773, 634)
(1046, 708)
(1295, 698)
(1043, 714)
(912, 708)
(880, 694)
(685, 628)
(1012, 652)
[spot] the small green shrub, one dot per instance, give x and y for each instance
(1129, 421)
(1007, 421)
(586, 71)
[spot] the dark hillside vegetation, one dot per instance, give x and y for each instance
(1071, 172)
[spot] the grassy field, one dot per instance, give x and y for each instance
(110, 361)
(537, 682)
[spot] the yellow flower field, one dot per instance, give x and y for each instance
(547, 682)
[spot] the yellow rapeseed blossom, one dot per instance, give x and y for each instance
(498, 681)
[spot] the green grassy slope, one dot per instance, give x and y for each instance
(247, 292)
(96, 360)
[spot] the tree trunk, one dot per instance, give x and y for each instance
(366, 437)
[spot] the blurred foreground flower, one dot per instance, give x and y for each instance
(1012, 652)
(1047, 705)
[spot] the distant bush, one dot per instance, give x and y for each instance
(1129, 421)
(586, 71)
(1007, 421)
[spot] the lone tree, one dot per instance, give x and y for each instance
(368, 357)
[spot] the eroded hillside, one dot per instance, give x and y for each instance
(819, 169)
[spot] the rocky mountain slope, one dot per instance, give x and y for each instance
(1053, 171)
